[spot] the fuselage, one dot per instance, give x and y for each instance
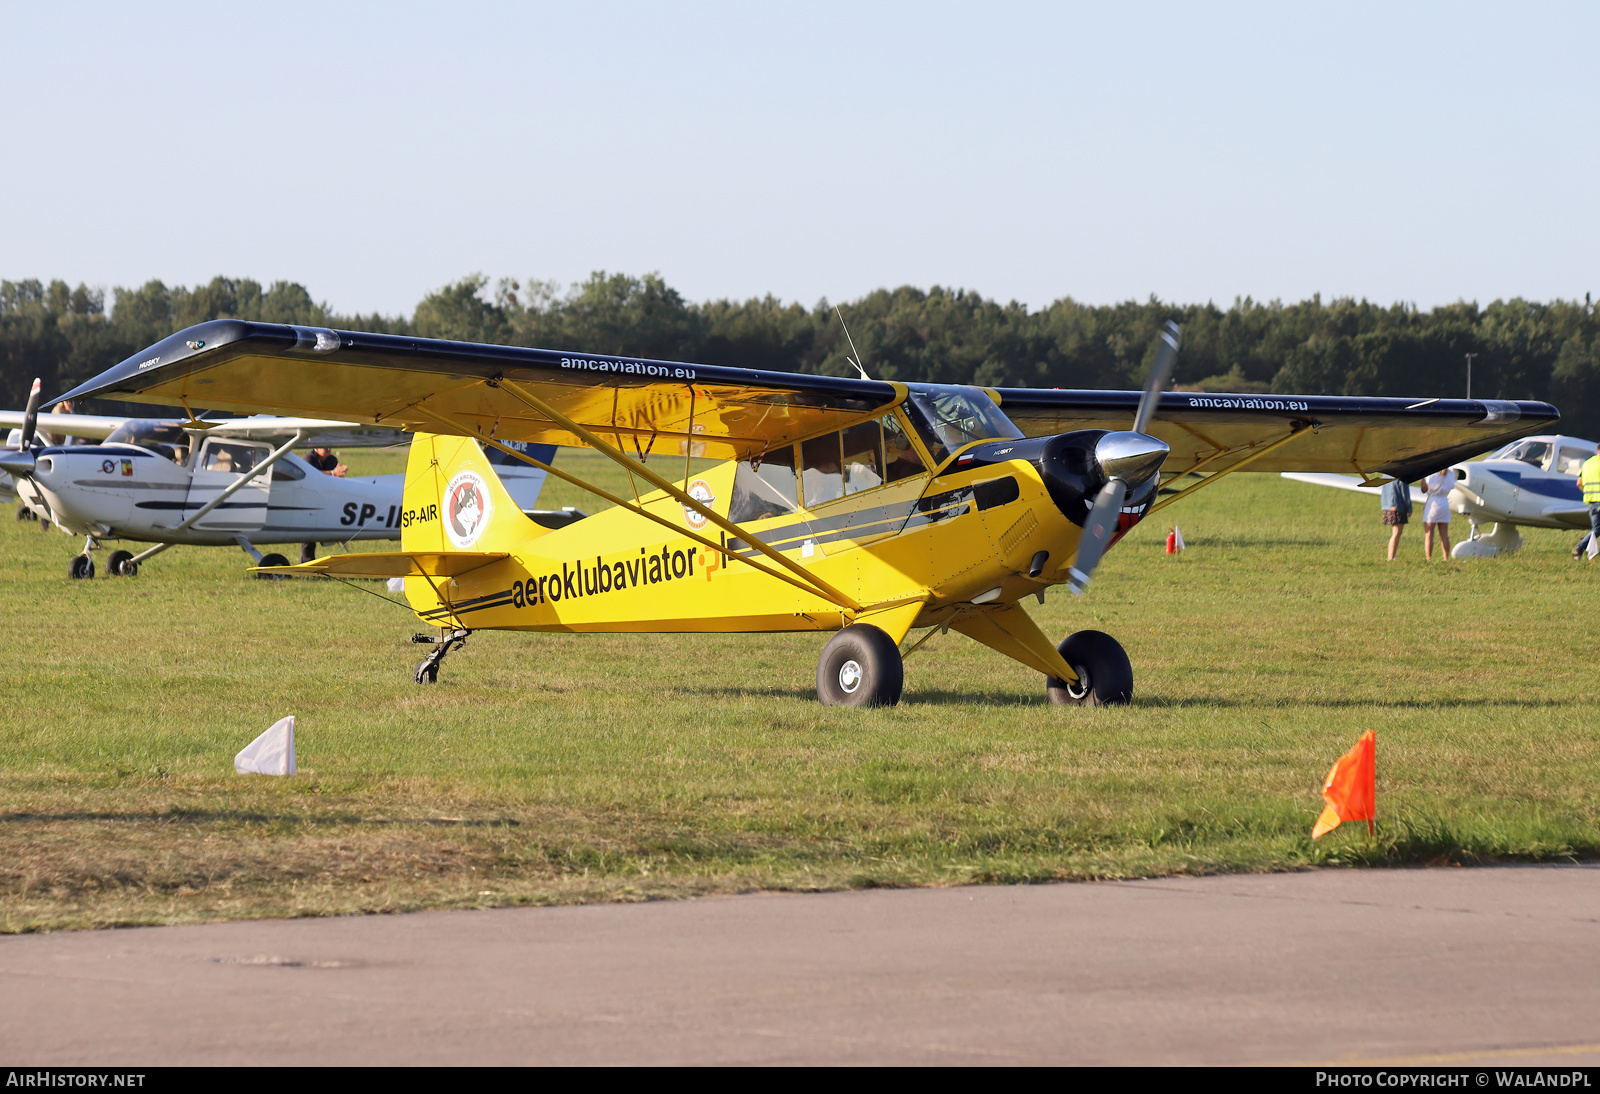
(127, 491)
(961, 516)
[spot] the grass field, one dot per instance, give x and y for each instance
(618, 767)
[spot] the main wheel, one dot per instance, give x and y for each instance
(121, 564)
(81, 566)
(273, 560)
(1105, 675)
(24, 513)
(860, 667)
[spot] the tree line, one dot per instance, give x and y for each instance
(1520, 349)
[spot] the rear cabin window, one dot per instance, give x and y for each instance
(1569, 460)
(766, 490)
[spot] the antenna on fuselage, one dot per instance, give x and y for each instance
(856, 360)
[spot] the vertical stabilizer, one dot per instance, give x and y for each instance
(454, 501)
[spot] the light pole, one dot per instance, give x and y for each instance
(1470, 356)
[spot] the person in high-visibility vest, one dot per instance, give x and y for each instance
(1589, 481)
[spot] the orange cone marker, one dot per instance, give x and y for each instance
(1352, 788)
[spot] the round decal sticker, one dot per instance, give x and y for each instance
(467, 509)
(700, 491)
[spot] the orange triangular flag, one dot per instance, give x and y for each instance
(1352, 787)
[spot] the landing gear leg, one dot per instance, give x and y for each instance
(428, 671)
(83, 565)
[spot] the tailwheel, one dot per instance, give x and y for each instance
(428, 671)
(273, 560)
(121, 564)
(81, 566)
(1105, 675)
(860, 667)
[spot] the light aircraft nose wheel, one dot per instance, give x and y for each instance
(860, 667)
(121, 564)
(273, 560)
(1105, 675)
(81, 566)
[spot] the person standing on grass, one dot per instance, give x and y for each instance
(1436, 510)
(1396, 502)
(1589, 480)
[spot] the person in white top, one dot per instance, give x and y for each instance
(1436, 510)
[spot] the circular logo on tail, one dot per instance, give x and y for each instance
(467, 509)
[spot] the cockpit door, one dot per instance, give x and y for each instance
(221, 464)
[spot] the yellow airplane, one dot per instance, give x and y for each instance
(860, 507)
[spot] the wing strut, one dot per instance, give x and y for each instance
(811, 585)
(1298, 431)
(620, 457)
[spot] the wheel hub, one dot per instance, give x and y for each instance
(1079, 688)
(850, 676)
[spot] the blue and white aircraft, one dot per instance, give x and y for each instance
(227, 482)
(1532, 482)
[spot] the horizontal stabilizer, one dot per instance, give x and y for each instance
(1346, 482)
(392, 564)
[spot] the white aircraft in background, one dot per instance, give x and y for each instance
(1529, 482)
(234, 481)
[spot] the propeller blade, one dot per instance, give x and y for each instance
(1160, 373)
(1097, 533)
(30, 417)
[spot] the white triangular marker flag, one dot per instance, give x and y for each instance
(1177, 537)
(397, 585)
(1594, 546)
(272, 753)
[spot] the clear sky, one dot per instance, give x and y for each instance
(1417, 152)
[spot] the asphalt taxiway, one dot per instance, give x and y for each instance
(1494, 966)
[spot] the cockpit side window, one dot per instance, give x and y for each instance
(948, 418)
(900, 455)
(822, 470)
(237, 459)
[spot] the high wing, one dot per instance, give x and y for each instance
(1371, 438)
(319, 432)
(638, 405)
(93, 426)
(510, 393)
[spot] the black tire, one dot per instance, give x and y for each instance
(44, 525)
(24, 513)
(1105, 675)
(427, 674)
(860, 667)
(80, 568)
(308, 552)
(273, 560)
(121, 564)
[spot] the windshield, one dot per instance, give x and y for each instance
(162, 438)
(949, 417)
(1534, 452)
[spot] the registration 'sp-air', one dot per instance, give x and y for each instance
(861, 507)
